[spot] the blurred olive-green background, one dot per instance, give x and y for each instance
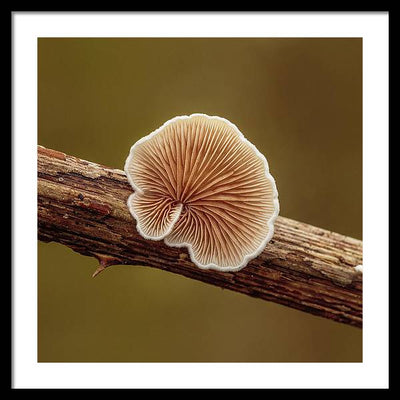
(298, 100)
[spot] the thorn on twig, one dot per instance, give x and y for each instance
(99, 269)
(104, 262)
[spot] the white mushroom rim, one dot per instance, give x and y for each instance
(178, 150)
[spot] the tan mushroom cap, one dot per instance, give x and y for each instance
(200, 184)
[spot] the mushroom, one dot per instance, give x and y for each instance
(198, 183)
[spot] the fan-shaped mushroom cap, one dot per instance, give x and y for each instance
(200, 184)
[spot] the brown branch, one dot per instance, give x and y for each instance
(83, 206)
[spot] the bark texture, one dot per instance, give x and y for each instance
(83, 206)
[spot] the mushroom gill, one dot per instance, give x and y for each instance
(200, 184)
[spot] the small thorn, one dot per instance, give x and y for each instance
(104, 262)
(99, 269)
